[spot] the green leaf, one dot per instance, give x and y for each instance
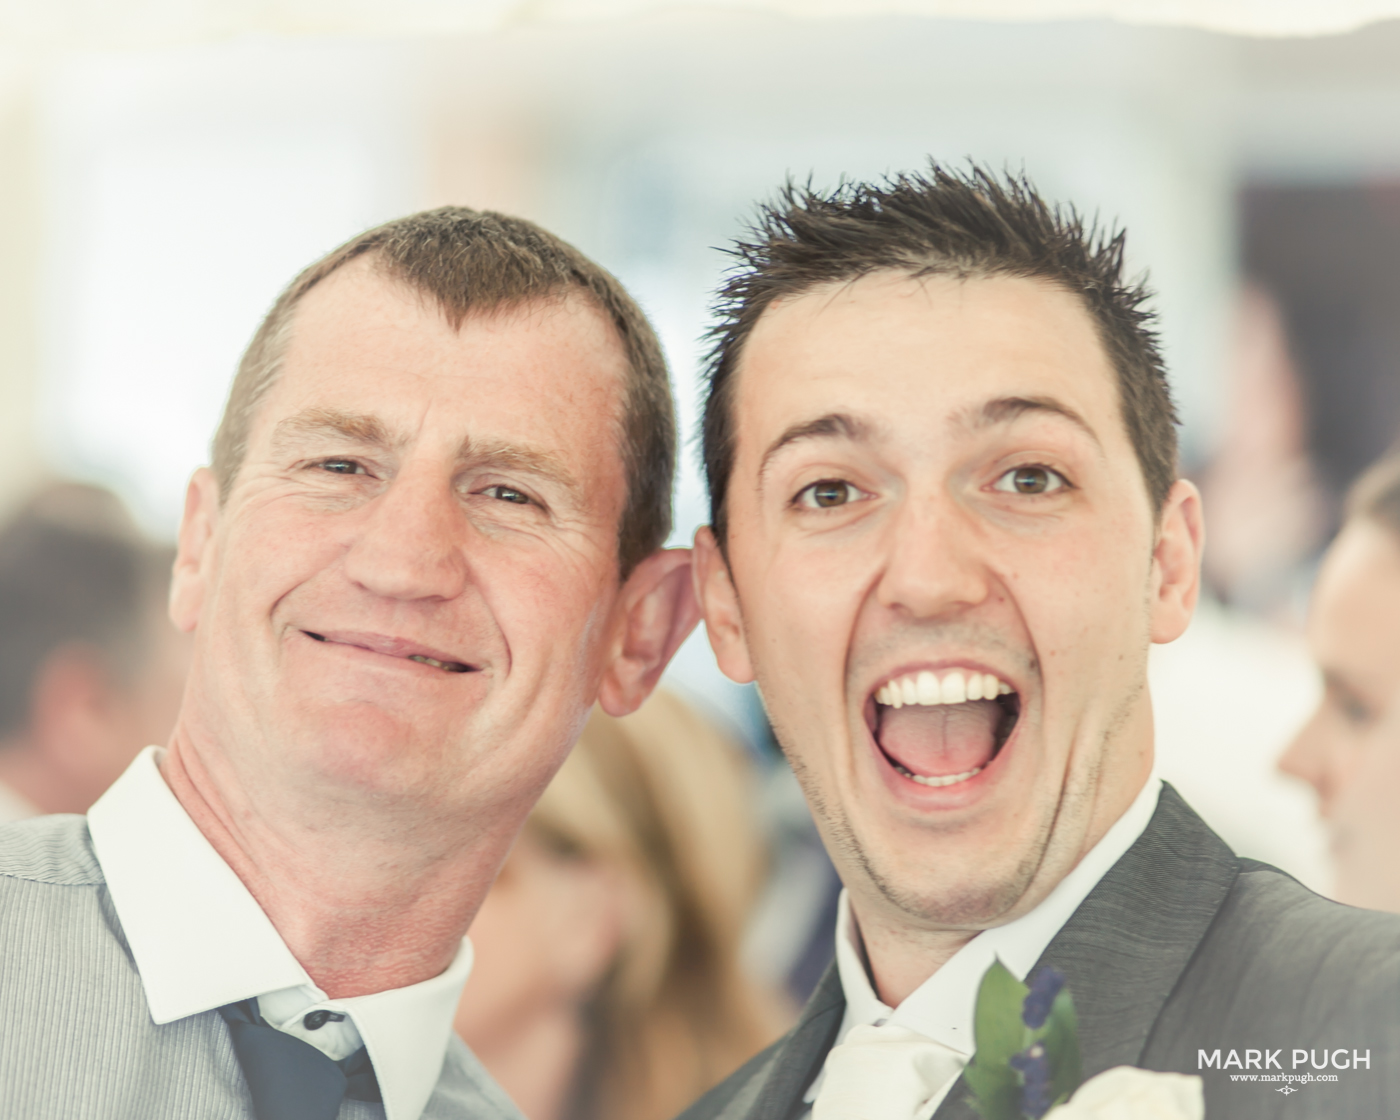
(996, 1090)
(1061, 1038)
(999, 1033)
(997, 1027)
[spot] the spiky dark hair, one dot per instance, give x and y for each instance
(966, 224)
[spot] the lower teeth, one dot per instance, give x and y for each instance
(941, 779)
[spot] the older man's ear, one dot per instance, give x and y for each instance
(658, 612)
(192, 553)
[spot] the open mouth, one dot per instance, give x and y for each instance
(939, 729)
(393, 648)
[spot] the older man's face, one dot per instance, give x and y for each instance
(412, 587)
(945, 576)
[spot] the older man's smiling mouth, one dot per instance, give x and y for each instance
(393, 647)
(939, 729)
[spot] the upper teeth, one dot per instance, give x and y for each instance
(926, 688)
(450, 666)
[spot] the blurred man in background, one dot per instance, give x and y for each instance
(91, 670)
(1349, 751)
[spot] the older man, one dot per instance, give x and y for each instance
(946, 529)
(428, 543)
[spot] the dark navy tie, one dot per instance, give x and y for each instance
(290, 1079)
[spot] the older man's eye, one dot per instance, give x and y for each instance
(1030, 480)
(342, 466)
(507, 494)
(827, 494)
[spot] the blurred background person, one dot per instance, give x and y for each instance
(1349, 751)
(608, 982)
(91, 670)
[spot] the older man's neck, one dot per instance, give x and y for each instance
(365, 907)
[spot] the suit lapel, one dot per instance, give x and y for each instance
(1125, 947)
(801, 1055)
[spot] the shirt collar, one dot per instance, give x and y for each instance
(200, 940)
(942, 1007)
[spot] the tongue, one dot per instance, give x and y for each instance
(940, 740)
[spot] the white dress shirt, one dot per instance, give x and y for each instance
(200, 941)
(942, 1007)
(14, 806)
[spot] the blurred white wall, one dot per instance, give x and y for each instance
(183, 190)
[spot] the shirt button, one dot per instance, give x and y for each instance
(315, 1020)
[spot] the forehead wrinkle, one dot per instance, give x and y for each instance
(1006, 410)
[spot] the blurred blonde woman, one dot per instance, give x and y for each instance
(607, 983)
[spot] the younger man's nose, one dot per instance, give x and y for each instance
(933, 562)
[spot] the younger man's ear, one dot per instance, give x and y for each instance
(719, 602)
(1176, 562)
(658, 613)
(193, 551)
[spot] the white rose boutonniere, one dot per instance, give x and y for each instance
(1125, 1093)
(1026, 1066)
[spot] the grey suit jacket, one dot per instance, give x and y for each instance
(1181, 950)
(76, 1037)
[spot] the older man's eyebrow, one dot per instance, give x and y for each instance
(1003, 410)
(370, 431)
(320, 422)
(515, 457)
(834, 425)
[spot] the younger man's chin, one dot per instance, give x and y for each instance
(966, 898)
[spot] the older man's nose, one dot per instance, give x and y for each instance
(411, 545)
(933, 563)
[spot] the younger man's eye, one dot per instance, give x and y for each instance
(827, 494)
(1030, 480)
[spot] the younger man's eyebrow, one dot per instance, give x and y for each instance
(834, 425)
(1004, 410)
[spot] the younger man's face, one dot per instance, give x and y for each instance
(944, 573)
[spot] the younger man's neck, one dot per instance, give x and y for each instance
(901, 959)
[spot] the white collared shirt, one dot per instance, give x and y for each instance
(200, 941)
(942, 1007)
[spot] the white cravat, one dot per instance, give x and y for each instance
(941, 1009)
(884, 1073)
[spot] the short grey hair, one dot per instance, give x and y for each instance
(471, 261)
